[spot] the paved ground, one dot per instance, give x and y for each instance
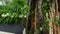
(11, 29)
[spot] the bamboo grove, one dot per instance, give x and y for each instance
(43, 17)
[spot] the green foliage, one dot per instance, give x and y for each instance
(45, 9)
(13, 12)
(57, 22)
(45, 6)
(47, 21)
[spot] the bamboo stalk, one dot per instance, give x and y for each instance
(57, 14)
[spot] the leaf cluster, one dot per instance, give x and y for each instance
(13, 12)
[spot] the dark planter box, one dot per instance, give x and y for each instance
(11, 28)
